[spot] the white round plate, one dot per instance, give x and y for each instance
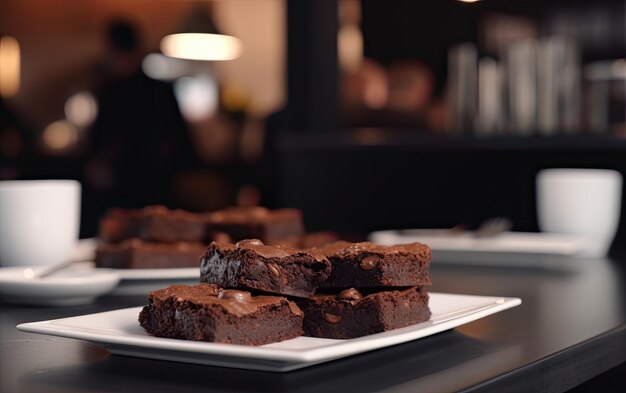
(76, 285)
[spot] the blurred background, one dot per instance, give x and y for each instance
(365, 114)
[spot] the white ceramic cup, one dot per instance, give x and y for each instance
(581, 201)
(39, 221)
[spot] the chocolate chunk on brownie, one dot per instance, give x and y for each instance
(153, 224)
(270, 226)
(205, 312)
(250, 264)
(351, 314)
(363, 265)
(137, 254)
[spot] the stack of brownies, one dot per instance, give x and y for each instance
(279, 227)
(156, 237)
(254, 294)
(370, 289)
(152, 237)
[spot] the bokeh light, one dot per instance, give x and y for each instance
(9, 66)
(198, 97)
(161, 67)
(60, 135)
(81, 109)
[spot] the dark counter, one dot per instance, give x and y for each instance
(570, 328)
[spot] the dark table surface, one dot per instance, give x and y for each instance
(570, 328)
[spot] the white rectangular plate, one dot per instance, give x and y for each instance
(85, 250)
(137, 281)
(512, 249)
(120, 333)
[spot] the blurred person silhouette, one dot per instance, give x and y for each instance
(411, 85)
(11, 143)
(139, 141)
(366, 87)
(17, 137)
(364, 93)
(412, 94)
(397, 97)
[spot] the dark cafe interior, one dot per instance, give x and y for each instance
(490, 132)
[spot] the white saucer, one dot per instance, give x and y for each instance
(510, 249)
(79, 284)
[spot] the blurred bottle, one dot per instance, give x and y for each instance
(521, 71)
(559, 86)
(606, 81)
(462, 94)
(490, 115)
(535, 87)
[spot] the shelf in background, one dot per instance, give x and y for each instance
(414, 140)
(374, 179)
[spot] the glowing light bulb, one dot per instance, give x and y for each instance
(201, 46)
(9, 66)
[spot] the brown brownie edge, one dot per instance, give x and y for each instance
(365, 264)
(250, 264)
(153, 224)
(205, 312)
(137, 254)
(270, 226)
(349, 314)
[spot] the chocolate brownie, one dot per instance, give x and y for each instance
(250, 264)
(350, 314)
(205, 312)
(363, 265)
(137, 254)
(154, 224)
(270, 226)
